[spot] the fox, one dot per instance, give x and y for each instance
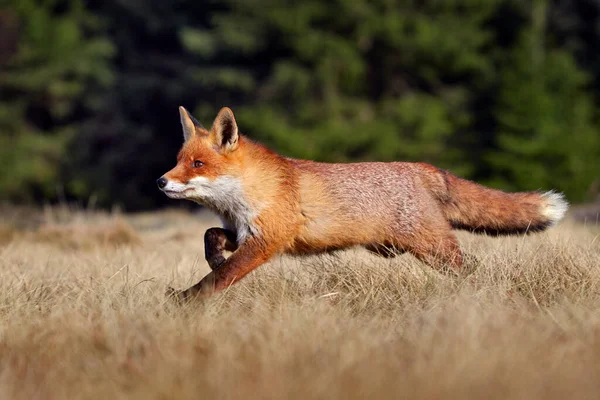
(270, 204)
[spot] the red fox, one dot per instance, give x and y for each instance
(270, 204)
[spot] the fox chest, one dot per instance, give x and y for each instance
(241, 224)
(225, 196)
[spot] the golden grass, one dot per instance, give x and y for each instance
(83, 316)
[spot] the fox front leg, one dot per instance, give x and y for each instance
(251, 254)
(216, 241)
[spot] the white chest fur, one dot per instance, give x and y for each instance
(225, 196)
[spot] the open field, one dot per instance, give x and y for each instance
(82, 315)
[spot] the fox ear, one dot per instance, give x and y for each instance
(188, 123)
(225, 130)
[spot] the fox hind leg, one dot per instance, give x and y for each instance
(216, 241)
(441, 251)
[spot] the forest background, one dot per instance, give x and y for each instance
(505, 92)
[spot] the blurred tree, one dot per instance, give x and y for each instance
(135, 134)
(353, 79)
(89, 89)
(575, 29)
(547, 124)
(52, 66)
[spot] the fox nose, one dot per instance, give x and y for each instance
(161, 182)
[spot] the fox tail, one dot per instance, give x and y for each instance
(470, 206)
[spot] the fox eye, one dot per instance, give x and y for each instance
(197, 164)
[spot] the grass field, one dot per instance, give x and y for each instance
(83, 316)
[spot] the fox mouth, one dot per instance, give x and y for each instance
(176, 194)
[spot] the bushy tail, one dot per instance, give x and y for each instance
(476, 208)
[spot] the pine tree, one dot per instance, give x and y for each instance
(47, 83)
(548, 129)
(353, 79)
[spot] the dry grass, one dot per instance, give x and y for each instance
(83, 316)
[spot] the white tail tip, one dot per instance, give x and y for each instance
(555, 206)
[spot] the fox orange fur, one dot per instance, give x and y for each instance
(271, 204)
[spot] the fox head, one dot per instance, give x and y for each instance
(207, 167)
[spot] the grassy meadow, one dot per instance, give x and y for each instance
(83, 316)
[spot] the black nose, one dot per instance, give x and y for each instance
(161, 182)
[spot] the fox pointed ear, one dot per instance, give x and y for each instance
(188, 123)
(225, 130)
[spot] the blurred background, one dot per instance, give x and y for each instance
(505, 92)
